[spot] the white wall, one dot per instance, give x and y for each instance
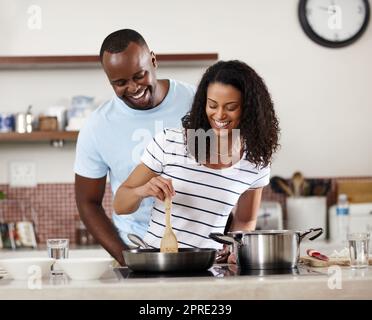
(323, 96)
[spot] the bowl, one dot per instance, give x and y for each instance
(84, 268)
(24, 268)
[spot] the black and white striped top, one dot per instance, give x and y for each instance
(204, 196)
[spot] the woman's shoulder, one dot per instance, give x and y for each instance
(174, 134)
(170, 139)
(249, 167)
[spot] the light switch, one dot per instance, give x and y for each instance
(22, 174)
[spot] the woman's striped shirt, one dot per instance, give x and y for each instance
(204, 196)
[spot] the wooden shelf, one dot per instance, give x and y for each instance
(92, 61)
(38, 136)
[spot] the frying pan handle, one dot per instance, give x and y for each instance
(317, 231)
(221, 238)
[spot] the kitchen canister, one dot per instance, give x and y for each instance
(7, 122)
(24, 121)
(306, 212)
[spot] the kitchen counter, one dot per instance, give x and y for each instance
(355, 284)
(340, 283)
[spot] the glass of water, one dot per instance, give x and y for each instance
(57, 249)
(359, 249)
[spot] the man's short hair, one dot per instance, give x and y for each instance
(119, 40)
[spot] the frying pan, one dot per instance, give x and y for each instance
(152, 260)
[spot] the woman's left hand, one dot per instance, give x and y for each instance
(232, 258)
(225, 256)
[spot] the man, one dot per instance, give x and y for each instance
(113, 139)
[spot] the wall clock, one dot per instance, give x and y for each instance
(334, 23)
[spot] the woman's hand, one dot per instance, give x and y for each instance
(232, 258)
(225, 256)
(141, 183)
(157, 187)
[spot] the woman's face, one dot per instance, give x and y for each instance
(223, 107)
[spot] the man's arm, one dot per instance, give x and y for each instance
(89, 195)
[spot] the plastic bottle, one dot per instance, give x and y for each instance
(342, 216)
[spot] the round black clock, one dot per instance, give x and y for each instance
(334, 23)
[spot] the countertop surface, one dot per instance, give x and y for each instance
(316, 283)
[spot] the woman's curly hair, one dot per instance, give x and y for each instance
(259, 126)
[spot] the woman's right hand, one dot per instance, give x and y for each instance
(157, 187)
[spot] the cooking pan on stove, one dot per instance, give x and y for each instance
(267, 249)
(152, 260)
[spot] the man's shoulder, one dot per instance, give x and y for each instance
(102, 111)
(182, 87)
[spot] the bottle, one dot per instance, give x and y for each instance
(342, 216)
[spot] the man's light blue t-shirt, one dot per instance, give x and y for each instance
(114, 137)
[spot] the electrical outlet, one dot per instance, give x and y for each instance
(22, 174)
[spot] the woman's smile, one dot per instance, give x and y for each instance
(223, 107)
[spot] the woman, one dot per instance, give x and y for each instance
(221, 157)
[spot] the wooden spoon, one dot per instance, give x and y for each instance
(169, 241)
(284, 186)
(298, 183)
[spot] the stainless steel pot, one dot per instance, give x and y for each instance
(186, 259)
(267, 249)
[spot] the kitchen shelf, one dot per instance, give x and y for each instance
(93, 61)
(38, 136)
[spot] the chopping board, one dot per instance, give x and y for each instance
(312, 262)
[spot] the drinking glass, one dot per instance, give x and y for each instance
(57, 249)
(359, 249)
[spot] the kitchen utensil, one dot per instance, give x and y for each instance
(319, 187)
(186, 259)
(138, 241)
(7, 122)
(267, 249)
(305, 212)
(316, 263)
(169, 241)
(298, 183)
(280, 185)
(48, 123)
(24, 121)
(60, 112)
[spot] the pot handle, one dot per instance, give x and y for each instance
(221, 238)
(318, 232)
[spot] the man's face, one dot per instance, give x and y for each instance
(132, 75)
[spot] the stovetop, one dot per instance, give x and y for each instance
(219, 271)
